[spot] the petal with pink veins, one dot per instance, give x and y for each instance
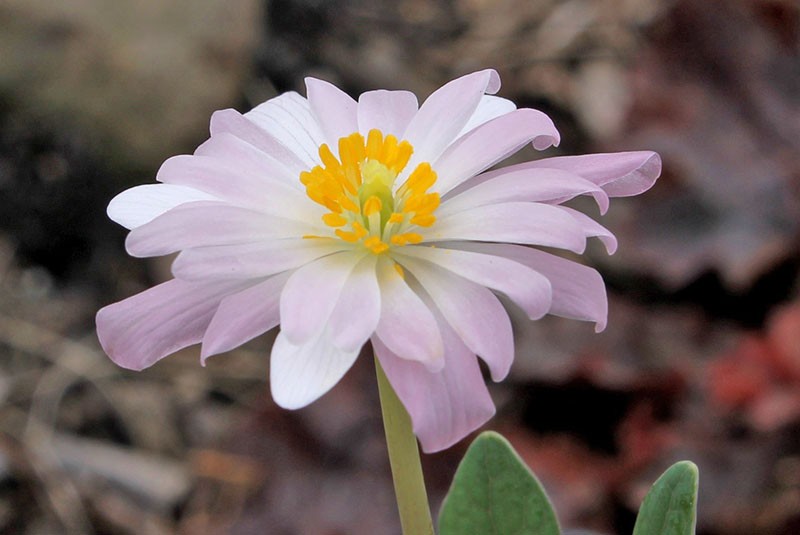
(472, 311)
(407, 326)
(311, 293)
(621, 174)
(358, 309)
(490, 143)
(529, 289)
(578, 290)
(514, 222)
(142, 329)
(244, 315)
(444, 406)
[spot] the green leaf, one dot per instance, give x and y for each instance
(494, 493)
(670, 508)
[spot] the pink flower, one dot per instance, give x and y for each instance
(345, 221)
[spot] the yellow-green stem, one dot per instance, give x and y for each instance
(409, 486)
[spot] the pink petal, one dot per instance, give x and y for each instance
(514, 222)
(621, 174)
(207, 223)
(442, 116)
(593, 229)
(488, 108)
(243, 316)
(578, 290)
(299, 374)
(251, 260)
(233, 122)
(407, 325)
(141, 204)
(310, 295)
(388, 111)
(527, 288)
(492, 142)
(552, 186)
(248, 159)
(334, 110)
(144, 328)
(444, 406)
(288, 118)
(472, 311)
(228, 180)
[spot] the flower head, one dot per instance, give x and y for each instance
(345, 222)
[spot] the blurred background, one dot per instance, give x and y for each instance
(701, 359)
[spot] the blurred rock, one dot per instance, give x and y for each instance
(141, 76)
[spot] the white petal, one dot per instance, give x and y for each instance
(388, 111)
(231, 181)
(334, 110)
(358, 310)
(472, 311)
(514, 222)
(593, 229)
(243, 316)
(251, 260)
(488, 108)
(208, 223)
(407, 325)
(527, 288)
(289, 119)
(443, 114)
(141, 204)
(299, 374)
(310, 295)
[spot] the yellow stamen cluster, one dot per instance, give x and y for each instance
(358, 189)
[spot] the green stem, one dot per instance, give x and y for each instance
(409, 486)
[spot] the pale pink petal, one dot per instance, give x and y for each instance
(578, 291)
(442, 116)
(233, 122)
(144, 328)
(141, 204)
(593, 229)
(251, 260)
(621, 174)
(472, 311)
(529, 289)
(248, 159)
(552, 186)
(225, 179)
(407, 325)
(388, 111)
(514, 222)
(444, 406)
(243, 316)
(490, 143)
(310, 295)
(207, 223)
(488, 108)
(358, 310)
(289, 119)
(299, 374)
(334, 110)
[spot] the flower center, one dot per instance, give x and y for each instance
(359, 190)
